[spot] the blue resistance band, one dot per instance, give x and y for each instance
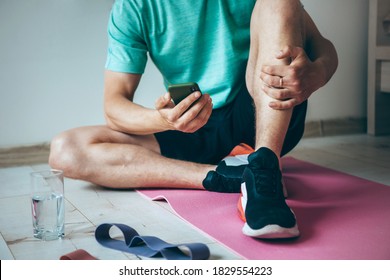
(149, 246)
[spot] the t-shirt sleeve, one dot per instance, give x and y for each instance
(127, 50)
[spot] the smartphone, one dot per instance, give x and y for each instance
(180, 91)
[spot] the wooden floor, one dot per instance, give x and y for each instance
(88, 205)
(360, 155)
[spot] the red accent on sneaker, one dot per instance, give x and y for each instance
(241, 211)
(241, 149)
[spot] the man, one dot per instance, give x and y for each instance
(257, 63)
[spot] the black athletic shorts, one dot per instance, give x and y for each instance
(227, 127)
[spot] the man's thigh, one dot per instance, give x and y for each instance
(207, 145)
(88, 135)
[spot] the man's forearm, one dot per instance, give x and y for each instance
(131, 118)
(121, 113)
(320, 50)
(323, 52)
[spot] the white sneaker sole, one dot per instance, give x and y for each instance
(269, 231)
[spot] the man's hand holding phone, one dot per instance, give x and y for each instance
(191, 112)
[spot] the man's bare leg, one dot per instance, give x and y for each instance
(113, 159)
(275, 24)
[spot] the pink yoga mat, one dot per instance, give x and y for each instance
(339, 216)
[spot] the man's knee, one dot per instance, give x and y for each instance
(279, 6)
(64, 154)
(280, 11)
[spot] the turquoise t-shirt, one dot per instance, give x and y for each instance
(203, 41)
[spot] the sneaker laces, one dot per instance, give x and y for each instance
(265, 180)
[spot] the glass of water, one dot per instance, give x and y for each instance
(47, 204)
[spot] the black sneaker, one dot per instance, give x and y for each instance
(226, 178)
(266, 212)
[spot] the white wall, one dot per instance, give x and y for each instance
(51, 64)
(52, 55)
(345, 23)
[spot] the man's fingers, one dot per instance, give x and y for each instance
(187, 102)
(196, 116)
(274, 70)
(289, 52)
(275, 93)
(275, 81)
(283, 105)
(163, 101)
(201, 118)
